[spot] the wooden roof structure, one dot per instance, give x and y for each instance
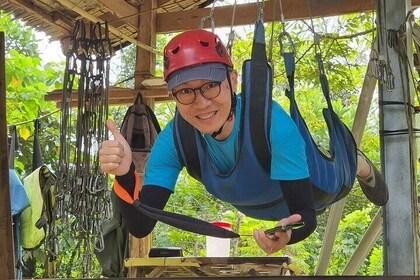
(57, 17)
(138, 22)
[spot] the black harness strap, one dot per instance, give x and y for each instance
(12, 146)
(185, 135)
(260, 98)
(184, 222)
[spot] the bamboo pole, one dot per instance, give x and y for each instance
(7, 258)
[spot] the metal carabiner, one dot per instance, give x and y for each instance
(286, 35)
(209, 18)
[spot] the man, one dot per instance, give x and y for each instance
(200, 75)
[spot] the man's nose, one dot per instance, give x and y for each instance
(200, 99)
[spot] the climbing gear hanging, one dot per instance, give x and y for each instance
(82, 190)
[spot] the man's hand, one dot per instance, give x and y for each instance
(115, 155)
(273, 243)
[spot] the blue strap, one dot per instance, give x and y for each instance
(261, 86)
(329, 173)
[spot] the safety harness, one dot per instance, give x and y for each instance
(331, 176)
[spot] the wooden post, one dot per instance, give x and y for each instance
(399, 155)
(144, 69)
(7, 257)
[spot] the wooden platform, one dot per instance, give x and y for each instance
(176, 267)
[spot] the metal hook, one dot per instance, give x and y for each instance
(203, 20)
(289, 40)
(209, 17)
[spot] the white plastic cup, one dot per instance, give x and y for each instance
(218, 247)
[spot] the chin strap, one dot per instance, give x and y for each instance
(232, 108)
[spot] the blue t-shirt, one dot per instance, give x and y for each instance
(287, 146)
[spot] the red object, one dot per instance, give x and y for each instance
(224, 225)
(192, 48)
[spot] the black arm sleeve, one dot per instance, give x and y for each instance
(299, 197)
(137, 223)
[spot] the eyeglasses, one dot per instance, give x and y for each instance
(187, 96)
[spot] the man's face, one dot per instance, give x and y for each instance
(207, 115)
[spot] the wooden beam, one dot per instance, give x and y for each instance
(246, 13)
(146, 61)
(121, 9)
(117, 96)
(7, 259)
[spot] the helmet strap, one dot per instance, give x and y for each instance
(232, 106)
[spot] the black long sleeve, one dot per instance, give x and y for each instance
(299, 197)
(137, 223)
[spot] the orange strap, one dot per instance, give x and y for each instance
(123, 194)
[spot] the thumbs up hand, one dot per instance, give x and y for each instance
(115, 155)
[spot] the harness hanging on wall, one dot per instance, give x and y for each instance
(140, 128)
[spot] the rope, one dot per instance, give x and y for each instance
(229, 45)
(31, 121)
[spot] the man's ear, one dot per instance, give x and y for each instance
(234, 79)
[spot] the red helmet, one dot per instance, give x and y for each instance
(191, 48)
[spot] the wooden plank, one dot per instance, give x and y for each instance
(133, 262)
(123, 10)
(70, 5)
(246, 13)
(117, 95)
(168, 267)
(195, 261)
(7, 258)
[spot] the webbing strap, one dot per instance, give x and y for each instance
(185, 144)
(37, 154)
(184, 222)
(330, 173)
(12, 147)
(260, 98)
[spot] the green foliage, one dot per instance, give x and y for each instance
(18, 36)
(27, 82)
(375, 266)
